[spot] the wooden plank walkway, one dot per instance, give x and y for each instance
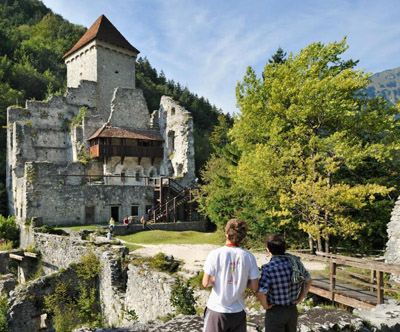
(345, 294)
(354, 282)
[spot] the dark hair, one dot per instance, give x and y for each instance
(236, 230)
(276, 244)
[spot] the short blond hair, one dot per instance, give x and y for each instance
(236, 230)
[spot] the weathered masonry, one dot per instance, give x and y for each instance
(96, 152)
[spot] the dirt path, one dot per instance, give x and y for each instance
(194, 255)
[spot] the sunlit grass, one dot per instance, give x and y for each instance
(80, 227)
(169, 237)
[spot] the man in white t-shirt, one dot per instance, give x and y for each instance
(229, 270)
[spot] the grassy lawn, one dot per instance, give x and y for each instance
(80, 227)
(168, 237)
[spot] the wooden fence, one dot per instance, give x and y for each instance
(355, 282)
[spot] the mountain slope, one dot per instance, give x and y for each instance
(386, 84)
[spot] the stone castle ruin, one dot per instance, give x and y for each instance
(96, 152)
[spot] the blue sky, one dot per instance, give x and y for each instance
(207, 45)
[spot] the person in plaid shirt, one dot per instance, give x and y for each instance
(284, 283)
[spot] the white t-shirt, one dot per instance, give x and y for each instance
(231, 267)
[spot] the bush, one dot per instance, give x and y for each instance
(164, 263)
(3, 314)
(182, 297)
(74, 307)
(9, 230)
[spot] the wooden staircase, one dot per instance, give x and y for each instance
(172, 198)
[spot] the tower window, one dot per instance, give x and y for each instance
(173, 111)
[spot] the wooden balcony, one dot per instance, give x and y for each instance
(126, 151)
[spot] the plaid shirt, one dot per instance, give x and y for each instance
(276, 282)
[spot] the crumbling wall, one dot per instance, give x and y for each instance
(61, 200)
(122, 286)
(129, 109)
(26, 304)
(392, 254)
(176, 126)
(148, 293)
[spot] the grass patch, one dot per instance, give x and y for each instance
(159, 262)
(169, 237)
(131, 247)
(81, 227)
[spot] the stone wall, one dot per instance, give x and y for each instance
(129, 109)
(66, 198)
(148, 293)
(198, 226)
(392, 254)
(122, 286)
(26, 304)
(176, 126)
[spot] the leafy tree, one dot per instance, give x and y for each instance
(315, 155)
(9, 230)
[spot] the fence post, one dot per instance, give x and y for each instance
(174, 209)
(372, 280)
(332, 279)
(379, 288)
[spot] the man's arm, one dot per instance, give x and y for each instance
(304, 290)
(208, 280)
(263, 300)
(253, 284)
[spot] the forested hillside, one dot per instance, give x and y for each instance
(385, 84)
(32, 42)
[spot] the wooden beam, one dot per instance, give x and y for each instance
(17, 257)
(31, 254)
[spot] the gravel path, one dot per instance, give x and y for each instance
(194, 255)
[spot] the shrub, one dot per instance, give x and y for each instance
(83, 308)
(9, 230)
(3, 314)
(164, 263)
(182, 297)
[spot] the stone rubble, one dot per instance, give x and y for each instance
(383, 316)
(315, 319)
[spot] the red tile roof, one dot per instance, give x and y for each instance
(115, 132)
(102, 29)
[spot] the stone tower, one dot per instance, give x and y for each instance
(103, 56)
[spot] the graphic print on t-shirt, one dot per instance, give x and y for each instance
(233, 278)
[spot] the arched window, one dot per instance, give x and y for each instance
(173, 111)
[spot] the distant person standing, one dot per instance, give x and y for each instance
(126, 221)
(143, 220)
(229, 270)
(284, 283)
(112, 224)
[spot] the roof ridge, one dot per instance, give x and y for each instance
(102, 29)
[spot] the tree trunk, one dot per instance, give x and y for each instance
(319, 244)
(311, 244)
(327, 244)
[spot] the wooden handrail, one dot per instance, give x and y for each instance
(373, 282)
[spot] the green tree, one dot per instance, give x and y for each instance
(315, 155)
(279, 57)
(9, 230)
